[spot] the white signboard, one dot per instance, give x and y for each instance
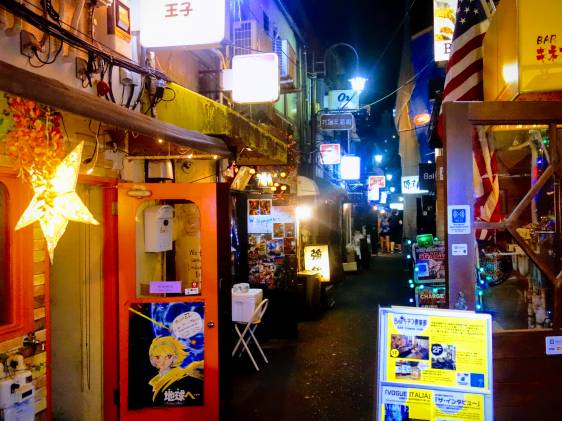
(459, 219)
(195, 23)
(343, 100)
(255, 78)
(411, 185)
(553, 345)
(460, 249)
(444, 18)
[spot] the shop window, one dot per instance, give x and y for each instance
(517, 265)
(4, 257)
(168, 249)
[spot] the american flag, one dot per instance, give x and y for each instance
(464, 82)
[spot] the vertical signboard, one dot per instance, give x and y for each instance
(444, 19)
(317, 259)
(434, 365)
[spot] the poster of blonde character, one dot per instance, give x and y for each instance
(166, 354)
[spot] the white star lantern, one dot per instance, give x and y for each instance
(55, 201)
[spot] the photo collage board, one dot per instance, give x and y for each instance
(272, 242)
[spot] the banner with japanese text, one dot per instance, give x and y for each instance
(434, 364)
(402, 403)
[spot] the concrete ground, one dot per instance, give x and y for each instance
(329, 371)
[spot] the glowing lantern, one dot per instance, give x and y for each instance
(55, 201)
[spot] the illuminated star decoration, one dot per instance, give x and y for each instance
(55, 201)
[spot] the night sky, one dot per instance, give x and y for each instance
(373, 27)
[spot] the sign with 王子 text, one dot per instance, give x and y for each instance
(195, 23)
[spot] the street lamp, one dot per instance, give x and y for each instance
(357, 82)
(378, 159)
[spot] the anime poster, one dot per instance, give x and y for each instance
(166, 358)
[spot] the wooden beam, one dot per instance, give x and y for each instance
(51, 92)
(509, 112)
(526, 201)
(535, 258)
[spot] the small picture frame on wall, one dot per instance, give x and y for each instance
(119, 19)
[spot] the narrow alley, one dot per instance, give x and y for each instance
(329, 371)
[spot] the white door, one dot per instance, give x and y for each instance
(76, 295)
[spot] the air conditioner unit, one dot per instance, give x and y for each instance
(249, 38)
(287, 64)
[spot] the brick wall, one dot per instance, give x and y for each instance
(36, 361)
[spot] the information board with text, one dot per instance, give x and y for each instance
(434, 365)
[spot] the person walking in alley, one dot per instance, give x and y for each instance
(395, 223)
(385, 235)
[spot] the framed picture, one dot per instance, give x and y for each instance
(119, 20)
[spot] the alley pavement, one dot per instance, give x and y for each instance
(329, 371)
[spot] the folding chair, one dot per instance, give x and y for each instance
(247, 334)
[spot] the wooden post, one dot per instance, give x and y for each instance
(458, 191)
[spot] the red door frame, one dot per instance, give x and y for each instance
(205, 196)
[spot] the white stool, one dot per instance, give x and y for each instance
(247, 334)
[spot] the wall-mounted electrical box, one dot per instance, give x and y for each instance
(158, 222)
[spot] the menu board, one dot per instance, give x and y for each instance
(434, 364)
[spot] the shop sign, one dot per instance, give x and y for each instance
(330, 153)
(255, 78)
(343, 121)
(194, 23)
(375, 184)
(343, 100)
(434, 364)
(540, 39)
(444, 18)
(317, 259)
(433, 296)
(350, 167)
(377, 181)
(411, 185)
(427, 177)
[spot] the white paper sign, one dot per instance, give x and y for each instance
(187, 324)
(553, 345)
(460, 249)
(459, 219)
